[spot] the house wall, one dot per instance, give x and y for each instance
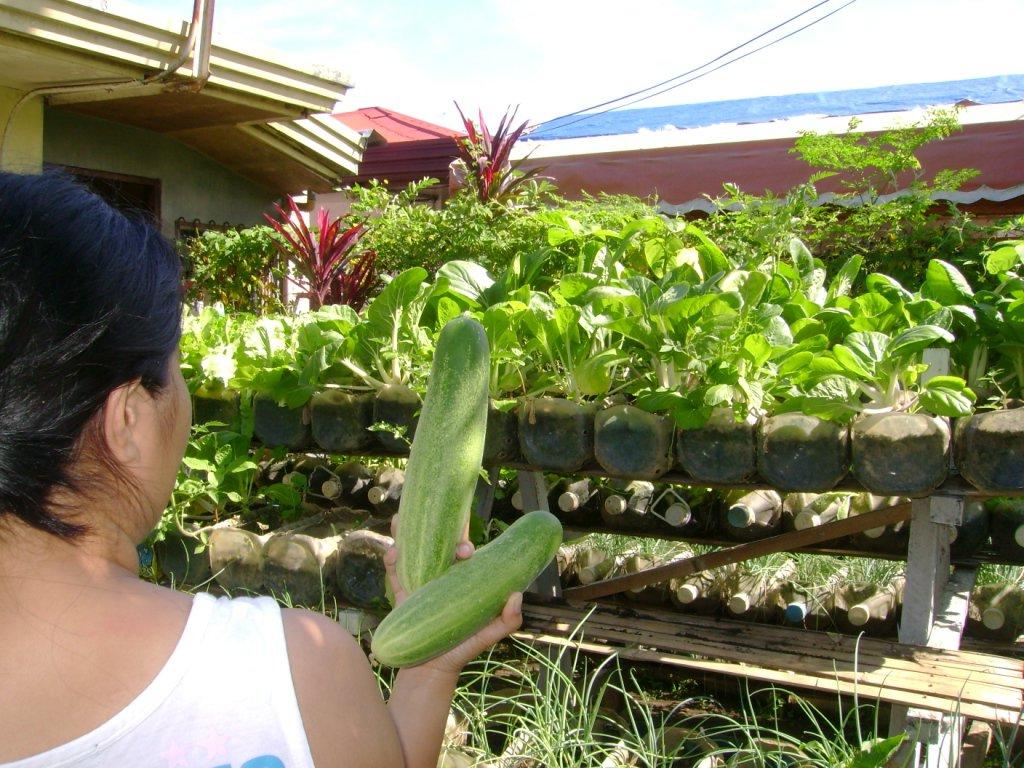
(192, 185)
(23, 146)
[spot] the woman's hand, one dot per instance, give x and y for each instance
(453, 661)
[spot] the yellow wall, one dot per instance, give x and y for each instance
(23, 148)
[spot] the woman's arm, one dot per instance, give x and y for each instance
(422, 695)
(346, 722)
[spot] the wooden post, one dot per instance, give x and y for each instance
(934, 609)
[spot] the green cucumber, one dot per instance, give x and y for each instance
(446, 454)
(464, 599)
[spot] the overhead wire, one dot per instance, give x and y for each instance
(585, 115)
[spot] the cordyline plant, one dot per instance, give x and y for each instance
(485, 162)
(328, 268)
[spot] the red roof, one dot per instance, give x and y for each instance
(394, 127)
(402, 149)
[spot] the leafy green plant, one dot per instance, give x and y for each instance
(894, 233)
(241, 269)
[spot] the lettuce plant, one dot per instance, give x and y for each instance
(871, 372)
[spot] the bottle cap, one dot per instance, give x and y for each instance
(796, 612)
(741, 516)
(517, 500)
(687, 593)
(1018, 536)
(331, 488)
(569, 501)
(739, 603)
(993, 618)
(875, 533)
(615, 505)
(376, 495)
(859, 615)
(678, 514)
(587, 575)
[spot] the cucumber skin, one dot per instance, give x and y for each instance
(468, 595)
(446, 454)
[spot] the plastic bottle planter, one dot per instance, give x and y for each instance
(398, 406)
(900, 453)
(996, 611)
(555, 434)
(629, 442)
(972, 533)
(797, 452)
(750, 516)
(629, 507)
(299, 566)
(722, 451)
(359, 576)
(703, 592)
(236, 559)
(869, 608)
(215, 405)
(277, 425)
(890, 539)
(579, 503)
(501, 446)
(341, 421)
(175, 560)
(1007, 526)
(989, 449)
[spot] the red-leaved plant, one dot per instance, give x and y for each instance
(485, 160)
(328, 268)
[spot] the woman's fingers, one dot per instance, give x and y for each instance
(390, 558)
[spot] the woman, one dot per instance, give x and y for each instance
(100, 668)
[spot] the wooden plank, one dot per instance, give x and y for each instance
(781, 543)
(962, 688)
(951, 610)
(764, 635)
(758, 637)
(782, 678)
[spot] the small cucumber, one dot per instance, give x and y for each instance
(464, 599)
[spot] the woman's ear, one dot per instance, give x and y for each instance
(121, 421)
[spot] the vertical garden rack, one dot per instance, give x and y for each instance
(934, 604)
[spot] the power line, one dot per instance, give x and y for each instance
(688, 72)
(587, 115)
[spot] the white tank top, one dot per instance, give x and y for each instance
(224, 699)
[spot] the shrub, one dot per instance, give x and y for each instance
(239, 268)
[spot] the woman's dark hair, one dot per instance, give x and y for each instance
(90, 299)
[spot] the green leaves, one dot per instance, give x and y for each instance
(944, 283)
(947, 396)
(877, 754)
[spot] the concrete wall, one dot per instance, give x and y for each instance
(23, 146)
(192, 185)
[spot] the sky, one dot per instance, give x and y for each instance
(551, 57)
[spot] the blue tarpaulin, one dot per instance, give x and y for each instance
(890, 98)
